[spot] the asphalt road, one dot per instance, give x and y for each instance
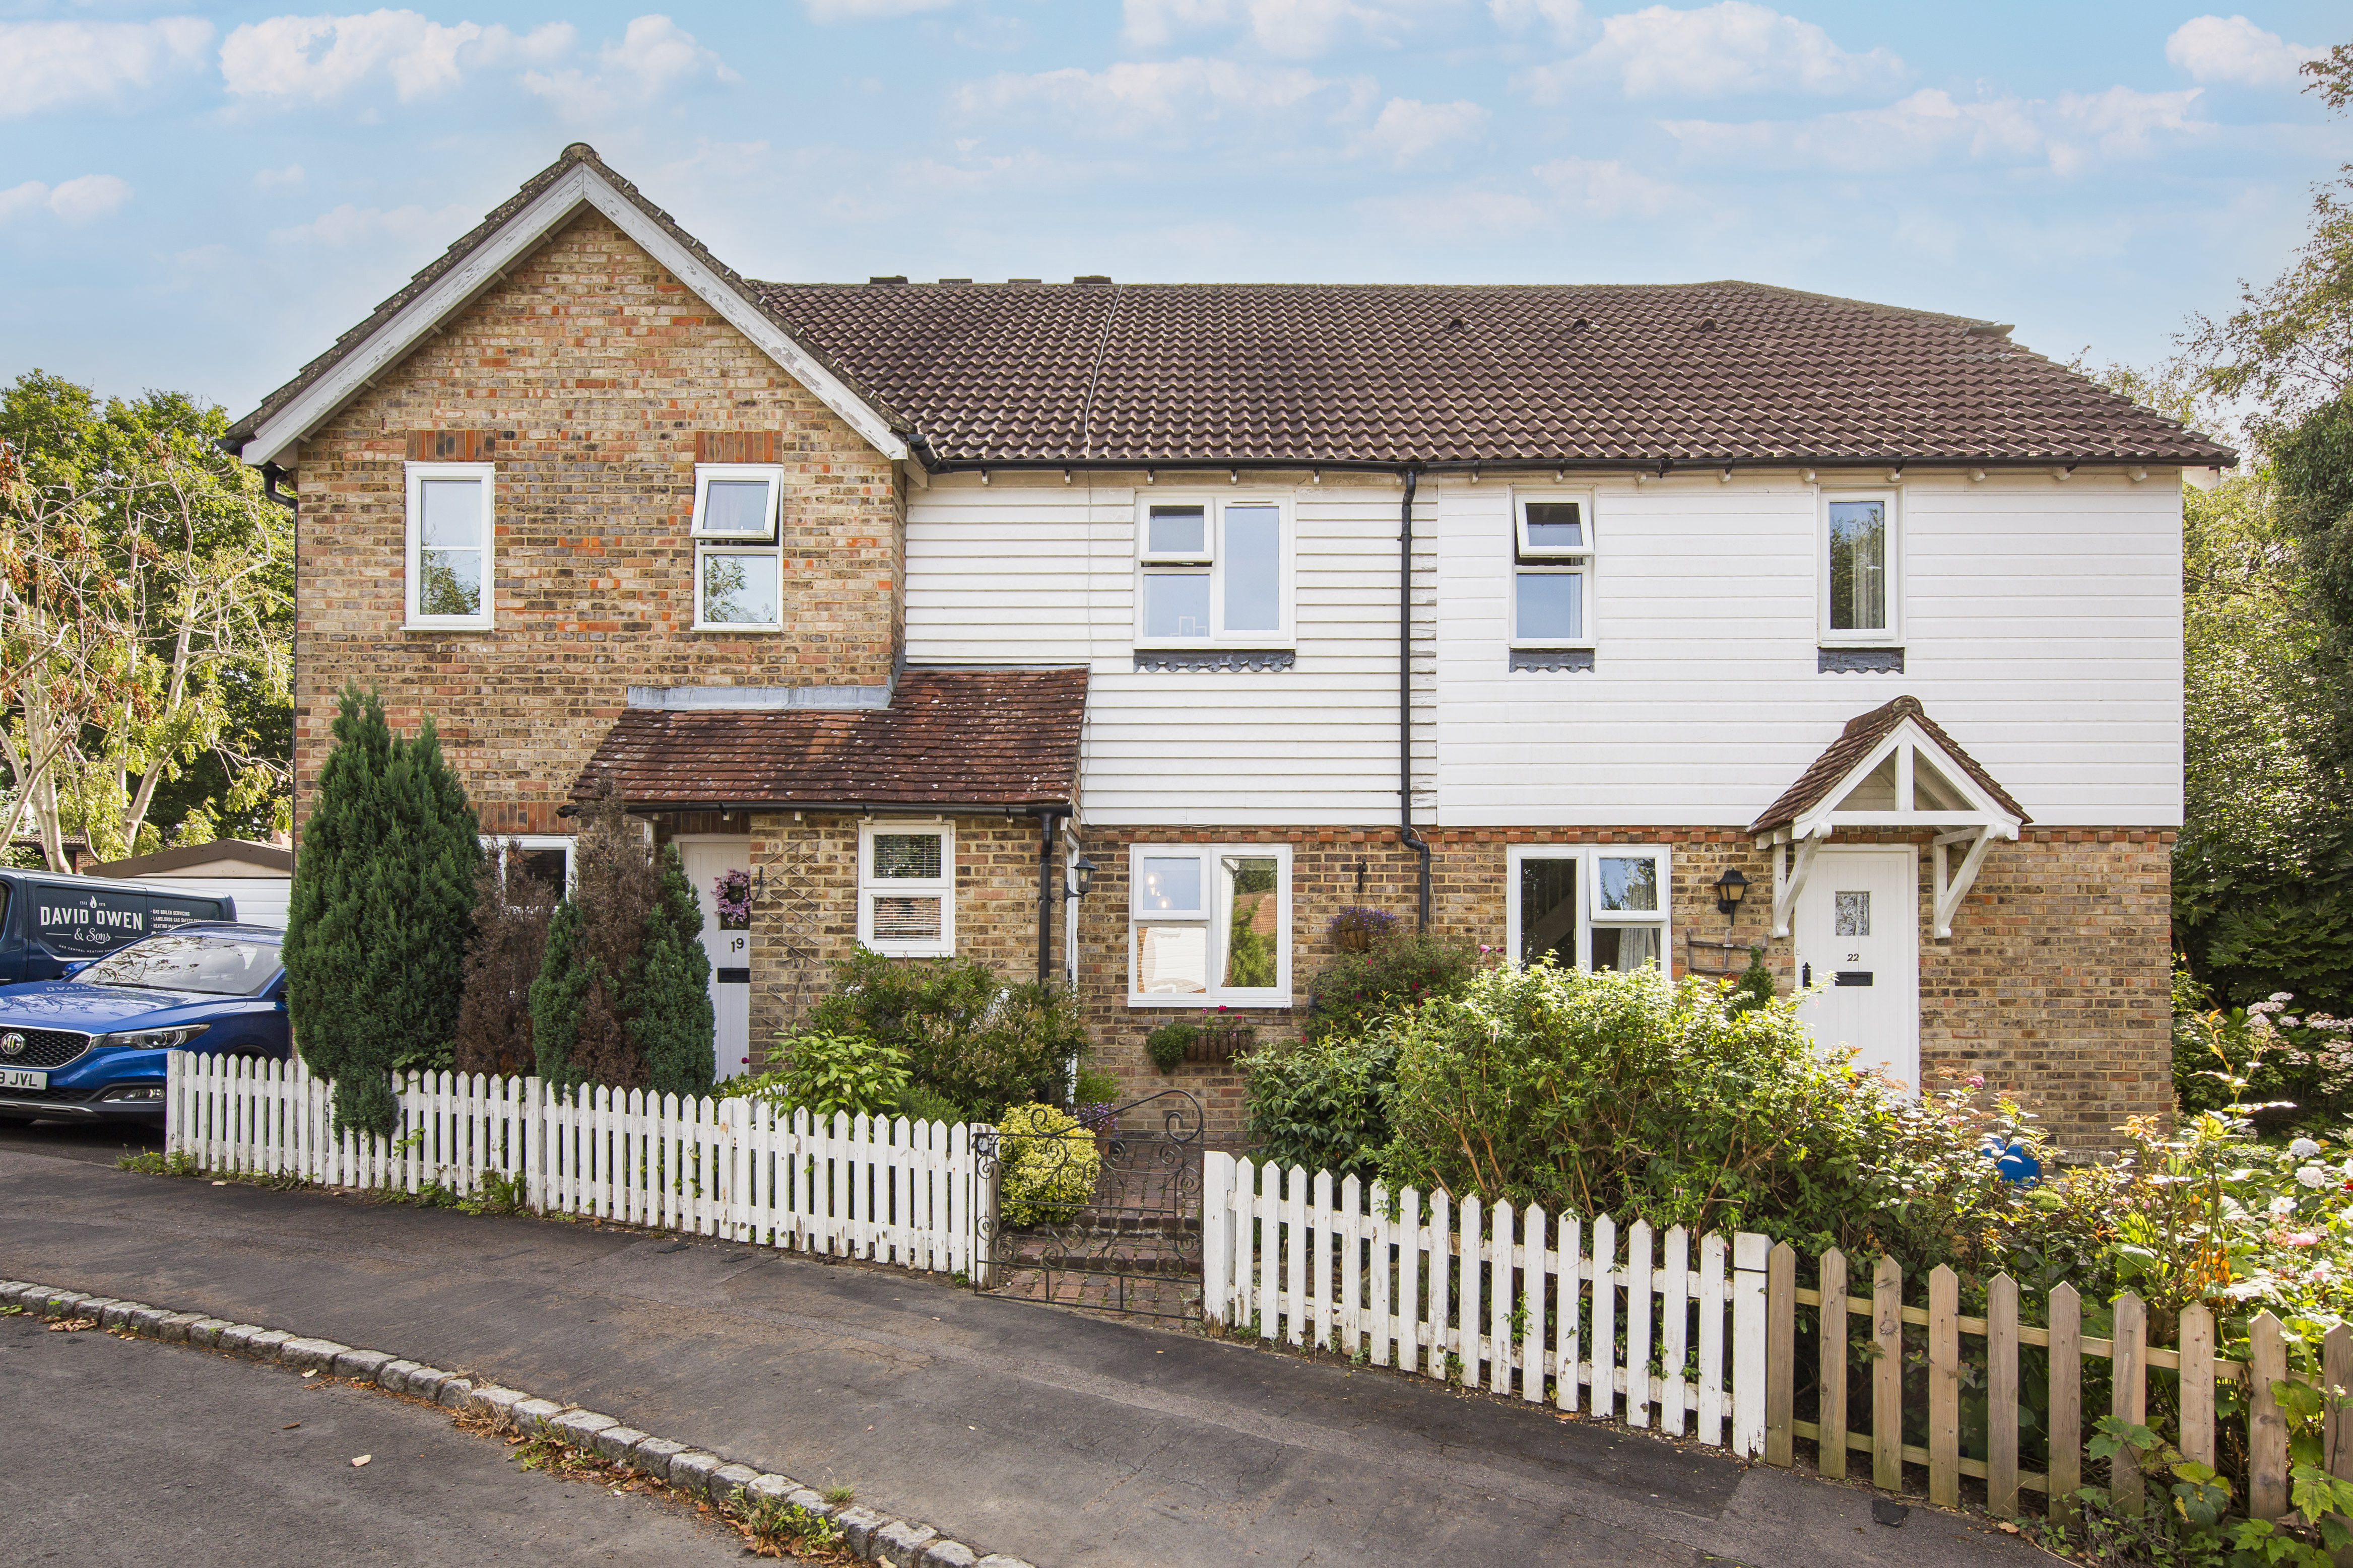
(101, 1145)
(132, 1453)
(1070, 1440)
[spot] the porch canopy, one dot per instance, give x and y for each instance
(1891, 768)
(937, 741)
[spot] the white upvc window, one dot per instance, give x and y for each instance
(451, 577)
(547, 856)
(1213, 570)
(906, 888)
(1552, 569)
(1862, 578)
(1208, 925)
(738, 559)
(1591, 906)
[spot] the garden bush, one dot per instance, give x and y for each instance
(968, 1035)
(1167, 1044)
(511, 909)
(827, 1074)
(2297, 1068)
(1046, 1166)
(1358, 988)
(1318, 1102)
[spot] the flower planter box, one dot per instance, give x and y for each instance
(1217, 1045)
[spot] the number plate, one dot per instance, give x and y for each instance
(21, 1077)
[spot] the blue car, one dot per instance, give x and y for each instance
(91, 1046)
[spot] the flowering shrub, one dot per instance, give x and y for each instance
(1046, 1165)
(1358, 988)
(2297, 1068)
(1357, 919)
(732, 891)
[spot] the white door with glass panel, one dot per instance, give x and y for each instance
(1856, 929)
(719, 869)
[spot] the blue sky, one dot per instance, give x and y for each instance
(203, 200)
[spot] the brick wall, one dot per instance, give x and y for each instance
(588, 373)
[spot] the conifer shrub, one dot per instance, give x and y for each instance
(380, 912)
(670, 1017)
(511, 909)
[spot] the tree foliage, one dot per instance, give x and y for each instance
(379, 913)
(969, 1036)
(512, 910)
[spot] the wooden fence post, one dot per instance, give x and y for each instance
(2066, 1402)
(2197, 1341)
(1887, 1377)
(1780, 1355)
(2266, 1427)
(2336, 1385)
(2128, 1397)
(1832, 1461)
(1748, 1263)
(1943, 1388)
(2001, 1398)
(1217, 1237)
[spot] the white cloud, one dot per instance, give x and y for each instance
(2067, 134)
(1728, 48)
(2233, 49)
(1606, 189)
(76, 201)
(1292, 29)
(1173, 96)
(1409, 129)
(348, 224)
(655, 54)
(273, 179)
(823, 11)
(45, 64)
(1566, 19)
(320, 58)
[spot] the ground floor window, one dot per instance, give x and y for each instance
(1209, 924)
(906, 888)
(1590, 906)
(544, 856)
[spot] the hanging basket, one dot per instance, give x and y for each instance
(1354, 940)
(1215, 1044)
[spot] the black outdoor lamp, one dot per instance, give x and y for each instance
(1083, 869)
(1730, 888)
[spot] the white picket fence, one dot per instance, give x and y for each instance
(1546, 1307)
(886, 1189)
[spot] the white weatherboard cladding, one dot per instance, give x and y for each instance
(2041, 629)
(1044, 574)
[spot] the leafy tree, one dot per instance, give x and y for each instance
(379, 913)
(622, 996)
(166, 712)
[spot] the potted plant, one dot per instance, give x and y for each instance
(1355, 928)
(1171, 1044)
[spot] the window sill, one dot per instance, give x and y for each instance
(1552, 659)
(1847, 660)
(1196, 658)
(1232, 1001)
(918, 950)
(739, 630)
(449, 625)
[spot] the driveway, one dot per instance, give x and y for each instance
(1063, 1438)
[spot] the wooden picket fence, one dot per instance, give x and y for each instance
(1545, 1307)
(1940, 1330)
(883, 1188)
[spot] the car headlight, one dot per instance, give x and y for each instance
(155, 1040)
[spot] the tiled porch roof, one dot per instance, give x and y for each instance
(996, 739)
(1842, 756)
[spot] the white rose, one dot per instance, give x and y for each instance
(2312, 1176)
(2282, 1206)
(2303, 1149)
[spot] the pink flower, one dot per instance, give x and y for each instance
(2296, 1237)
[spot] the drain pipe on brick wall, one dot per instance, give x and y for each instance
(1406, 834)
(1046, 821)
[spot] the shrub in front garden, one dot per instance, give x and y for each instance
(2297, 1065)
(830, 1074)
(511, 909)
(969, 1037)
(1358, 988)
(1046, 1166)
(1317, 1102)
(379, 912)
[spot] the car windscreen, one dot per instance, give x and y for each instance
(205, 962)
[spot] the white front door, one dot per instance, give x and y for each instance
(1857, 931)
(707, 859)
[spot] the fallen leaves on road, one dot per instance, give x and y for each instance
(290, 1425)
(362, 1459)
(72, 1325)
(312, 1373)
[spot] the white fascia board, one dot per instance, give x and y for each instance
(274, 441)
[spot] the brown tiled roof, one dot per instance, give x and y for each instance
(950, 738)
(1700, 373)
(1854, 743)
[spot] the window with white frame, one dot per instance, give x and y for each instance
(738, 560)
(1860, 580)
(451, 511)
(1589, 906)
(1209, 924)
(1551, 570)
(906, 888)
(545, 858)
(1213, 569)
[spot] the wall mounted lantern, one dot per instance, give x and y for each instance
(1730, 888)
(1084, 871)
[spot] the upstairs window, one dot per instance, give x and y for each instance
(451, 526)
(1860, 583)
(738, 563)
(1551, 573)
(1602, 905)
(1210, 925)
(1213, 570)
(906, 888)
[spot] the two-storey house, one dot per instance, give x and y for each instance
(1633, 624)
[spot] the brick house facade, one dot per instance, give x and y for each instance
(963, 485)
